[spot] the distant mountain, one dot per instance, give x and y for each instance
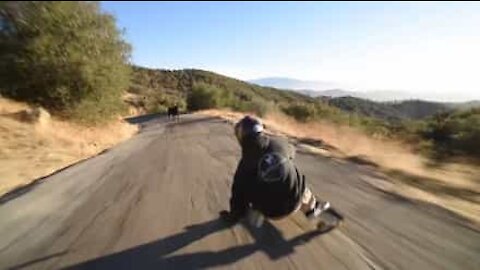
(390, 111)
(160, 88)
(419, 109)
(332, 89)
(390, 95)
(465, 105)
(333, 93)
(366, 108)
(294, 84)
(380, 96)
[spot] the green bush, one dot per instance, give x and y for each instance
(66, 56)
(261, 107)
(454, 133)
(301, 112)
(256, 106)
(204, 96)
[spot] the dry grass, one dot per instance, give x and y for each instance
(31, 150)
(445, 185)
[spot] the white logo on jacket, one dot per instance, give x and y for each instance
(272, 167)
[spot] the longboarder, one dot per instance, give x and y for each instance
(267, 183)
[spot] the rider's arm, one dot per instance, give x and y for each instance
(282, 146)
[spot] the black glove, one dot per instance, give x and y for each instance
(229, 217)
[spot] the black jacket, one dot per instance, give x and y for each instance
(274, 199)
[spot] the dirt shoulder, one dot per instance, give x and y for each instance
(33, 145)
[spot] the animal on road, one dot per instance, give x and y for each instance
(172, 113)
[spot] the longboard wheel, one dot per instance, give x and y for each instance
(321, 225)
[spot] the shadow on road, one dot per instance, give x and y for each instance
(197, 120)
(149, 119)
(154, 255)
(143, 118)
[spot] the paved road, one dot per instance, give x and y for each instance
(153, 202)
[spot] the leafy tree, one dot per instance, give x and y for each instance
(455, 133)
(66, 56)
(204, 96)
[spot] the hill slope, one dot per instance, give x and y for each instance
(418, 109)
(155, 90)
(294, 84)
(390, 111)
(161, 88)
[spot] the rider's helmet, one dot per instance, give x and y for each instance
(247, 126)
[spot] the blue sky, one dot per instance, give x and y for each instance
(428, 47)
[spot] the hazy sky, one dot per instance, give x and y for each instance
(425, 47)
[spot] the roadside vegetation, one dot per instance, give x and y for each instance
(67, 56)
(33, 144)
(63, 72)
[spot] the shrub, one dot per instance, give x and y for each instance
(454, 133)
(66, 56)
(257, 106)
(301, 112)
(204, 96)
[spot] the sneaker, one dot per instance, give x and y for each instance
(255, 218)
(318, 209)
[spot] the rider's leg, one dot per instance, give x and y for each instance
(311, 206)
(255, 217)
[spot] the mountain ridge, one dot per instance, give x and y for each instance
(174, 86)
(333, 89)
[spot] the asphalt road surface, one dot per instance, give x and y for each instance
(152, 202)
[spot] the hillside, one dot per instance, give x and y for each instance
(162, 88)
(294, 84)
(418, 109)
(465, 105)
(156, 89)
(191, 89)
(334, 89)
(366, 108)
(390, 111)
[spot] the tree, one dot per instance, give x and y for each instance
(204, 96)
(66, 56)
